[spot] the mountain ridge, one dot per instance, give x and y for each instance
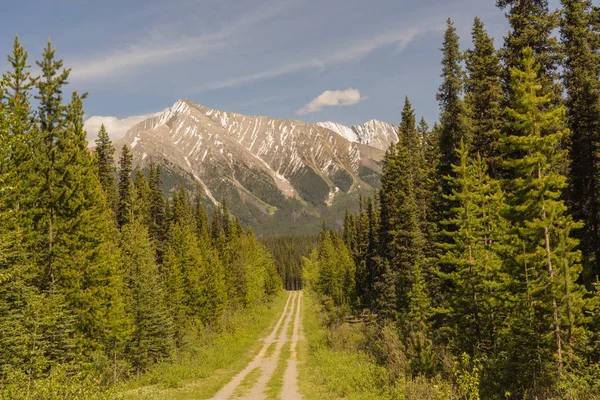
(264, 166)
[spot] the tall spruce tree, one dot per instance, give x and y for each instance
(158, 223)
(201, 217)
(16, 94)
(454, 125)
(124, 208)
(532, 25)
(18, 291)
(483, 97)
(412, 140)
(581, 78)
(547, 264)
(152, 337)
(141, 203)
(105, 163)
(402, 241)
(476, 271)
(71, 237)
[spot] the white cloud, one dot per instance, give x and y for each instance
(116, 127)
(330, 98)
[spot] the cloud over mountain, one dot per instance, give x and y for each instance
(332, 98)
(116, 127)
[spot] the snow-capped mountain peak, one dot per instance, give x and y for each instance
(343, 130)
(373, 133)
(261, 164)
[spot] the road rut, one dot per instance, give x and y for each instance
(268, 364)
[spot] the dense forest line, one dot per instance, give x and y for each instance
(288, 252)
(101, 276)
(482, 247)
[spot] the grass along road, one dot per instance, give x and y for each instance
(207, 367)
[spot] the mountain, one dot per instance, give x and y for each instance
(373, 133)
(283, 175)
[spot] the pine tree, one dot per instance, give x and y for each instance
(152, 337)
(532, 25)
(141, 202)
(51, 112)
(544, 229)
(483, 97)
(69, 229)
(454, 125)
(194, 279)
(201, 217)
(124, 209)
(105, 163)
(18, 349)
(582, 68)
(420, 346)
(16, 94)
(181, 211)
(402, 241)
(409, 136)
(475, 272)
(158, 224)
(431, 185)
(336, 271)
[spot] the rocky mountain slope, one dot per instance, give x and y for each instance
(271, 171)
(372, 133)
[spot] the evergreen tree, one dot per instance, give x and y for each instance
(454, 125)
(18, 292)
(543, 228)
(152, 337)
(473, 254)
(201, 217)
(409, 137)
(141, 203)
(70, 233)
(431, 184)
(16, 94)
(124, 209)
(483, 97)
(402, 241)
(105, 163)
(181, 211)
(420, 346)
(532, 25)
(52, 111)
(582, 69)
(158, 224)
(336, 271)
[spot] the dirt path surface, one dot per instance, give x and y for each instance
(290, 389)
(268, 364)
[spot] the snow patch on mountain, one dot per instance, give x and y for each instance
(340, 129)
(373, 133)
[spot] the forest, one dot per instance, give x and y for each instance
(482, 248)
(102, 276)
(473, 273)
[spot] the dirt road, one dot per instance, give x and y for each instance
(249, 384)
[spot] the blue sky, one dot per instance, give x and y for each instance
(265, 57)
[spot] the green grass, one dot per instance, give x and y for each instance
(208, 366)
(270, 350)
(328, 373)
(246, 385)
(276, 381)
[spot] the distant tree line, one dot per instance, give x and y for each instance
(288, 251)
